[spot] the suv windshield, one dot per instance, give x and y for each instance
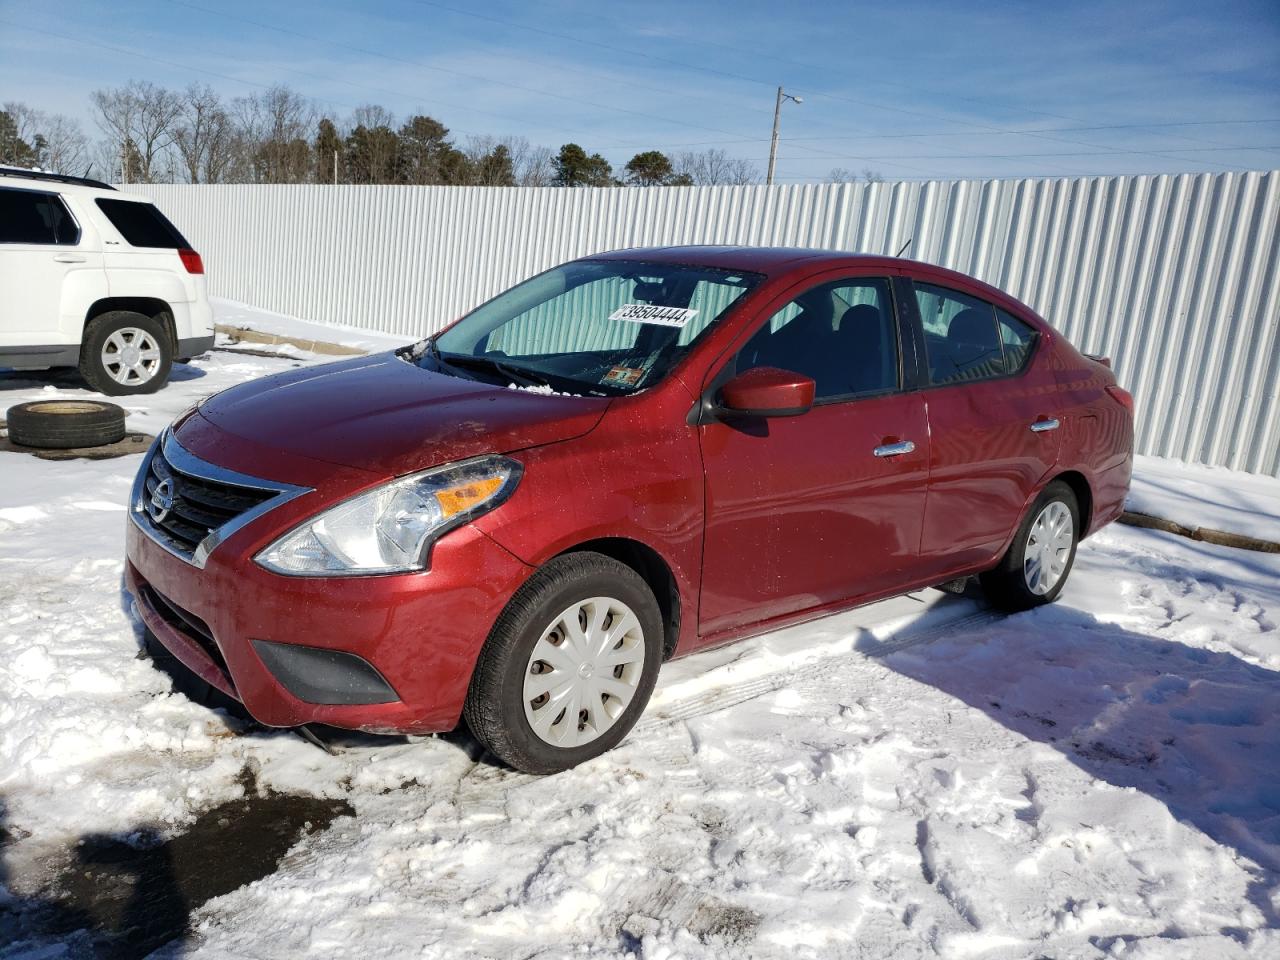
(589, 327)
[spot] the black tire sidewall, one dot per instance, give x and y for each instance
(500, 691)
(29, 427)
(1010, 579)
(96, 334)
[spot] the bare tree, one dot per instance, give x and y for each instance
(531, 165)
(57, 143)
(715, 166)
(140, 113)
(845, 175)
(274, 126)
(371, 116)
(66, 147)
(204, 135)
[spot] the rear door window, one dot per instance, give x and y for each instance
(961, 339)
(29, 216)
(142, 225)
(1017, 340)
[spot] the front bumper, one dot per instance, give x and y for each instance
(420, 632)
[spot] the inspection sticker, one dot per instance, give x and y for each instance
(651, 313)
(624, 376)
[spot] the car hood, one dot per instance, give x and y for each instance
(388, 416)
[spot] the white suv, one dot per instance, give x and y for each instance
(96, 279)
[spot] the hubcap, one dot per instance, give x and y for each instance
(1048, 548)
(130, 356)
(583, 672)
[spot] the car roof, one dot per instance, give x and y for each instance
(776, 261)
(36, 177)
(766, 260)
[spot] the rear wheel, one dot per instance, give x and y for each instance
(1038, 562)
(125, 353)
(569, 666)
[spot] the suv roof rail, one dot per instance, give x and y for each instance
(52, 177)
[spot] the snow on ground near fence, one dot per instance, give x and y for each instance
(1211, 497)
(919, 777)
(232, 313)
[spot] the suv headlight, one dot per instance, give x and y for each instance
(390, 528)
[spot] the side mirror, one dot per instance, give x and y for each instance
(767, 392)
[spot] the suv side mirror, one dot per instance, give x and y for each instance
(767, 392)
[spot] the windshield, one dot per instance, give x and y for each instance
(598, 328)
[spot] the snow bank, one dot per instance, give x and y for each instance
(236, 314)
(1213, 497)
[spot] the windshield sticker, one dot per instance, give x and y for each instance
(651, 313)
(624, 377)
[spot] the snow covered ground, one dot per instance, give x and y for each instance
(917, 778)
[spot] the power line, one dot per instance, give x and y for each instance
(757, 54)
(966, 133)
(477, 78)
(154, 59)
(756, 80)
(1024, 156)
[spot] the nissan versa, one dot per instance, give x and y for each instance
(626, 458)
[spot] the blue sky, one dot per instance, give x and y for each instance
(910, 89)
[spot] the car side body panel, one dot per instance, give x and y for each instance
(636, 477)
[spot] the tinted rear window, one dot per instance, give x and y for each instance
(142, 225)
(27, 216)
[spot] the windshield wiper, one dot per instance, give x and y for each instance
(519, 375)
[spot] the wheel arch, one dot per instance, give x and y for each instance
(1079, 485)
(653, 569)
(152, 307)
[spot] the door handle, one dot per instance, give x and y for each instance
(1049, 423)
(894, 449)
(70, 258)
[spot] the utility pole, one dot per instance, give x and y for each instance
(773, 145)
(335, 168)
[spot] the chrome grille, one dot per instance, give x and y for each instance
(189, 506)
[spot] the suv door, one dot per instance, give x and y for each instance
(42, 266)
(992, 420)
(816, 509)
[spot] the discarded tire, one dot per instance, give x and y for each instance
(63, 424)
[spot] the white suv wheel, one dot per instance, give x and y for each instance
(131, 357)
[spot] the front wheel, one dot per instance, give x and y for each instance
(1036, 566)
(568, 667)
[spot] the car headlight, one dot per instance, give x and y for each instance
(390, 528)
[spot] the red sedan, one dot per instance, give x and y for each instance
(626, 458)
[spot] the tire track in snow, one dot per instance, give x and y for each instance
(730, 695)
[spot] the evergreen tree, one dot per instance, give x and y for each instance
(373, 155)
(574, 168)
(13, 149)
(495, 169)
(427, 154)
(650, 169)
(326, 146)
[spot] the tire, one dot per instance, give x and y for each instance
(105, 354)
(1027, 577)
(64, 424)
(497, 711)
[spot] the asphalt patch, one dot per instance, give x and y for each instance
(122, 897)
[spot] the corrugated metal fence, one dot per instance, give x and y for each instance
(1175, 277)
